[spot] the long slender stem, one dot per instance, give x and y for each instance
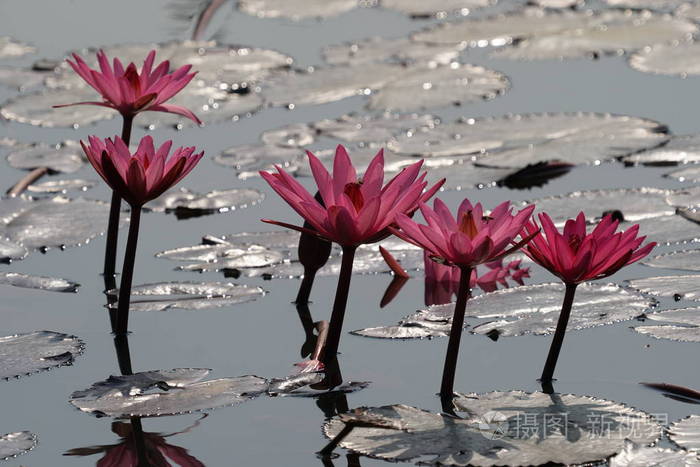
(448, 372)
(128, 272)
(115, 209)
(558, 339)
(307, 283)
(339, 305)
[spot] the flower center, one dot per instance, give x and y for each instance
(575, 242)
(132, 76)
(355, 194)
(468, 226)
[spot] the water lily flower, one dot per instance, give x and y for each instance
(129, 91)
(138, 178)
(143, 176)
(470, 239)
(576, 256)
(352, 211)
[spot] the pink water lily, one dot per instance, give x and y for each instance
(354, 210)
(144, 175)
(576, 256)
(130, 91)
(469, 240)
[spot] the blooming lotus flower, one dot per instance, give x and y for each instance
(465, 242)
(469, 240)
(576, 256)
(146, 174)
(354, 210)
(129, 91)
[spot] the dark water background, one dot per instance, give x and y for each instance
(264, 337)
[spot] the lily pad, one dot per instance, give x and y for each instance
(353, 128)
(54, 223)
(15, 444)
(302, 385)
(679, 150)
(563, 429)
(557, 3)
(51, 284)
(686, 433)
(11, 48)
(662, 5)
(688, 331)
(676, 287)
(323, 85)
(185, 203)
(64, 157)
(21, 79)
(516, 141)
(10, 251)
(402, 50)
(291, 136)
(249, 159)
(635, 204)
(635, 455)
(426, 87)
(667, 229)
(155, 395)
(690, 10)
(61, 186)
(531, 309)
(610, 32)
(190, 295)
(296, 9)
(681, 59)
(439, 8)
(24, 354)
(690, 174)
(686, 260)
(688, 198)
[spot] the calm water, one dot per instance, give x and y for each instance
(264, 337)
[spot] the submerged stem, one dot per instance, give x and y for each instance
(448, 372)
(128, 272)
(115, 209)
(339, 305)
(558, 339)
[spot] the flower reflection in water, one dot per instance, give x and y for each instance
(139, 449)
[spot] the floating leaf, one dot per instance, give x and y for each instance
(664, 5)
(292, 136)
(635, 204)
(20, 79)
(667, 229)
(689, 10)
(439, 8)
(355, 128)
(51, 284)
(608, 32)
(302, 385)
(11, 251)
(248, 159)
(689, 318)
(253, 256)
(24, 354)
(64, 157)
(11, 48)
(687, 260)
(37, 108)
(679, 150)
(402, 50)
(502, 29)
(690, 174)
(557, 3)
(330, 84)
(288, 239)
(668, 59)
(532, 309)
(296, 9)
(144, 400)
(427, 87)
(494, 432)
(191, 295)
(685, 198)
(51, 223)
(185, 203)
(686, 433)
(677, 287)
(15, 444)
(61, 186)
(516, 141)
(635, 455)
